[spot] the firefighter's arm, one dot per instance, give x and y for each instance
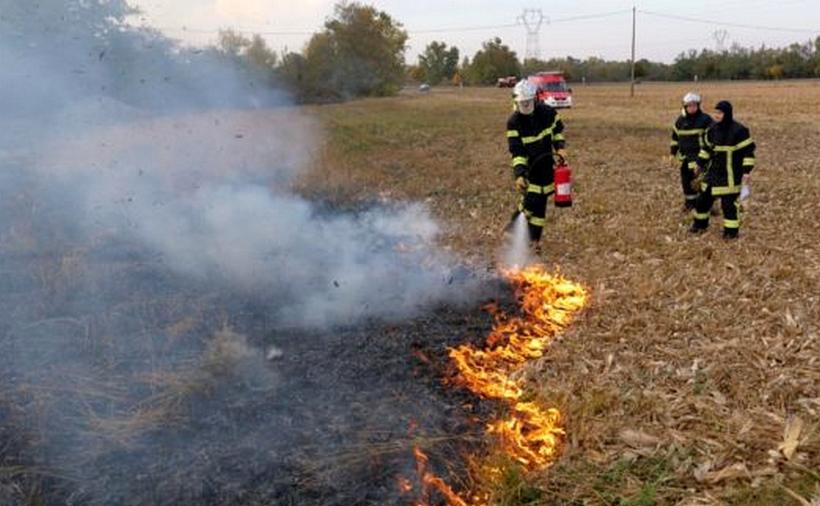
(520, 161)
(673, 145)
(748, 155)
(705, 154)
(559, 142)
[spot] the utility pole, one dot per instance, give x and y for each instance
(632, 82)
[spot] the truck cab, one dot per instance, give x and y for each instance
(552, 88)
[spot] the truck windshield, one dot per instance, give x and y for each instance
(554, 86)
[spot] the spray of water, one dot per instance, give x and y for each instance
(516, 250)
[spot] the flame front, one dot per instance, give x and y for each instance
(531, 434)
(431, 481)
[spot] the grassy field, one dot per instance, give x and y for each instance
(694, 375)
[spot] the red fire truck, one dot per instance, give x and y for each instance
(552, 88)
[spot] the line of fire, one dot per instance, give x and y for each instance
(529, 434)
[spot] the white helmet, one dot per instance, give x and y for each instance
(524, 97)
(690, 98)
(524, 90)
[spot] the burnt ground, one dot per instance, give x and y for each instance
(122, 383)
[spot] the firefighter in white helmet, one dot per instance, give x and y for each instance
(687, 140)
(535, 135)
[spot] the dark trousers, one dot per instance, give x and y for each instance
(730, 205)
(687, 175)
(533, 205)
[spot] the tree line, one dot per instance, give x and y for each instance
(360, 52)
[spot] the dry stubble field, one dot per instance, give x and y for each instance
(693, 377)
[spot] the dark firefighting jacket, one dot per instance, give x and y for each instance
(532, 139)
(728, 153)
(688, 134)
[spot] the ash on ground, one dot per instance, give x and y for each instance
(124, 383)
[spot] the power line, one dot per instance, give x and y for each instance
(243, 31)
(590, 16)
(582, 17)
(724, 23)
(551, 21)
(465, 28)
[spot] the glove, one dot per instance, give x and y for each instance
(561, 156)
(521, 184)
(745, 191)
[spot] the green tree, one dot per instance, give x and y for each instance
(438, 62)
(292, 72)
(533, 66)
(231, 42)
(416, 73)
(360, 52)
(259, 54)
(492, 61)
(775, 71)
(324, 76)
(254, 50)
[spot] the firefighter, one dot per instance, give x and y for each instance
(727, 159)
(687, 141)
(535, 135)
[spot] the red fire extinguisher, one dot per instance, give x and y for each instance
(563, 186)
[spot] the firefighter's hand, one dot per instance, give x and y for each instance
(561, 156)
(521, 184)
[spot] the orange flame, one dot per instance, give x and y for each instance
(532, 434)
(404, 485)
(430, 481)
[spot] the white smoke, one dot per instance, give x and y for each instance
(516, 252)
(183, 153)
(144, 202)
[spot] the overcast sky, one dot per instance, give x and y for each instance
(579, 28)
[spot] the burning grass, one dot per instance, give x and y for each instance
(683, 382)
(530, 433)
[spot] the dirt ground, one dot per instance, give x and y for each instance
(693, 377)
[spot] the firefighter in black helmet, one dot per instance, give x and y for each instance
(728, 157)
(687, 141)
(535, 135)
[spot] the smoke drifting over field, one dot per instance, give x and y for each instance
(92, 101)
(144, 206)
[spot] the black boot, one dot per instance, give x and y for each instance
(730, 233)
(697, 227)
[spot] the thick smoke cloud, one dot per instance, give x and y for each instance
(147, 142)
(145, 215)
